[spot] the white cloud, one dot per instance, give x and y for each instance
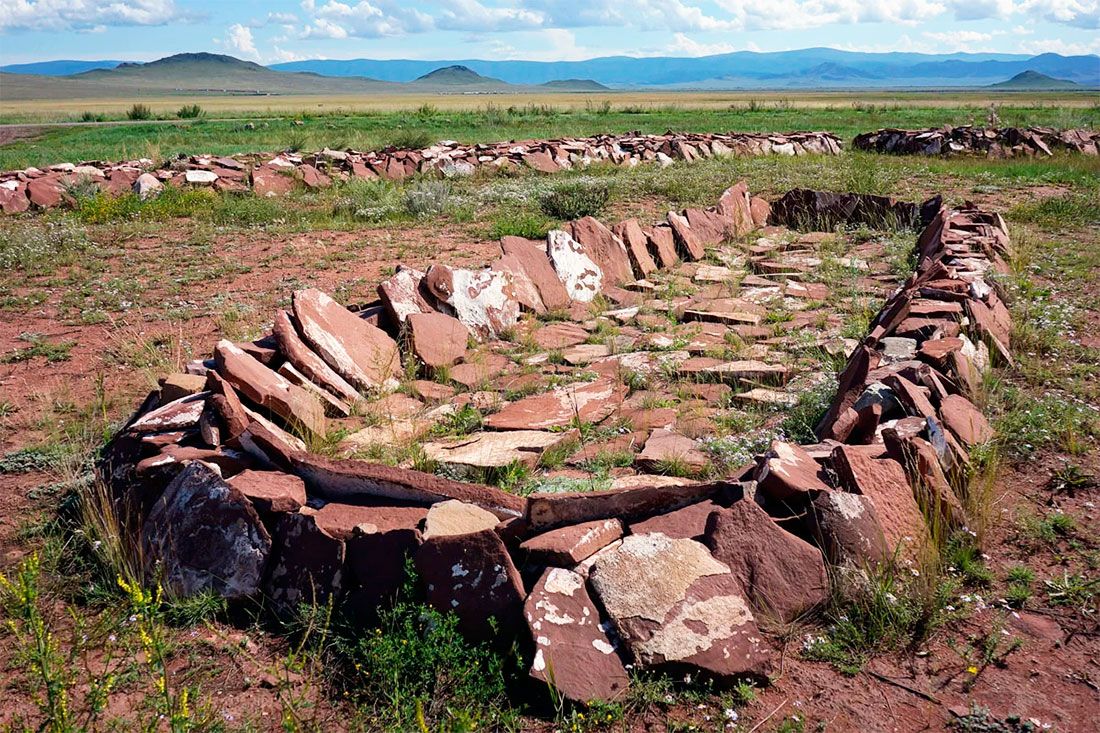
(1079, 13)
(239, 41)
(57, 15)
(551, 44)
(683, 46)
(1057, 45)
(963, 40)
(472, 15)
(363, 20)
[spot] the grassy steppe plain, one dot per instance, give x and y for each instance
(367, 123)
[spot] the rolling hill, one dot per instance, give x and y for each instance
(1034, 81)
(61, 67)
(207, 73)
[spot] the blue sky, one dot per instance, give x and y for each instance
(286, 30)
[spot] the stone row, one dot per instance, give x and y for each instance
(659, 572)
(996, 142)
(276, 174)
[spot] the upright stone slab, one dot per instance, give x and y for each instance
(484, 301)
(604, 248)
(581, 277)
(526, 292)
(687, 240)
(309, 564)
(206, 536)
(573, 651)
(307, 362)
(360, 353)
(537, 267)
(268, 389)
(637, 246)
(437, 339)
(783, 575)
(401, 295)
(675, 607)
(473, 576)
(883, 481)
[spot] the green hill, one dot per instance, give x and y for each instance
(1034, 81)
(574, 85)
(457, 75)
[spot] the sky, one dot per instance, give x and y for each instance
(270, 31)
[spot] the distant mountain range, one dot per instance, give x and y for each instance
(206, 73)
(804, 69)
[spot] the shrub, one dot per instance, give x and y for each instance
(91, 117)
(576, 200)
(417, 671)
(406, 139)
(190, 112)
(140, 112)
(519, 224)
(429, 198)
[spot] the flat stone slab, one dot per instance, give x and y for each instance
(567, 546)
(675, 606)
(585, 401)
(453, 517)
(271, 491)
(573, 651)
(360, 353)
(666, 448)
(493, 450)
(732, 372)
(545, 511)
(268, 389)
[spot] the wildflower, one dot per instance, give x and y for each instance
(731, 714)
(972, 669)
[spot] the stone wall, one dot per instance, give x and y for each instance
(996, 142)
(659, 572)
(268, 174)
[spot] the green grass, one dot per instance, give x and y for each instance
(575, 199)
(39, 347)
(366, 130)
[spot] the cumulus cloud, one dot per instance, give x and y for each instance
(363, 20)
(683, 46)
(238, 40)
(58, 15)
(1078, 13)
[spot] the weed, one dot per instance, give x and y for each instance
(1074, 590)
(140, 111)
(410, 139)
(980, 720)
(427, 199)
(1067, 211)
(190, 112)
(575, 200)
(415, 670)
(519, 224)
(39, 347)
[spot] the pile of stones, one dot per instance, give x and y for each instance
(996, 142)
(278, 174)
(657, 571)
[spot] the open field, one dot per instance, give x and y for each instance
(14, 110)
(406, 122)
(96, 302)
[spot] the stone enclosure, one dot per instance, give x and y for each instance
(265, 471)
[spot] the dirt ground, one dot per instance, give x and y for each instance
(1052, 679)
